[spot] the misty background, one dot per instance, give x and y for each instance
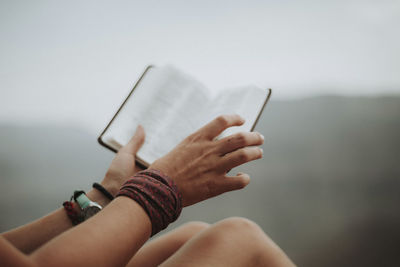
(327, 190)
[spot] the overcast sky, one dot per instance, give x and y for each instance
(75, 61)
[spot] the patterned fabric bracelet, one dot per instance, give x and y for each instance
(73, 215)
(157, 194)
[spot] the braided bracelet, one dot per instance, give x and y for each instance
(73, 215)
(157, 194)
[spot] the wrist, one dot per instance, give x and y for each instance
(108, 184)
(157, 194)
(111, 185)
(96, 196)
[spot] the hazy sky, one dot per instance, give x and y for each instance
(75, 61)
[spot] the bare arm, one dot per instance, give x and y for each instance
(29, 237)
(11, 256)
(108, 239)
(198, 166)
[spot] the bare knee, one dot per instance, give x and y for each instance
(239, 226)
(195, 226)
(192, 228)
(238, 222)
(185, 232)
(250, 236)
(233, 242)
(246, 230)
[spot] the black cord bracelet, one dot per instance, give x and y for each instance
(103, 191)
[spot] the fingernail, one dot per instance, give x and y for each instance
(262, 136)
(262, 151)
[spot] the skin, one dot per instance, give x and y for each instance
(29, 237)
(233, 242)
(198, 165)
(156, 251)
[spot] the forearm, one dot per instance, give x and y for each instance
(110, 238)
(29, 237)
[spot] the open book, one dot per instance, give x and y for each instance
(170, 105)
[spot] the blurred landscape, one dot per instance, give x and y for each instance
(327, 190)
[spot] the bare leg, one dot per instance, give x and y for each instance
(159, 249)
(231, 242)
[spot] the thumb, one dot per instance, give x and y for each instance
(136, 141)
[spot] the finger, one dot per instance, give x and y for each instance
(240, 156)
(239, 140)
(231, 183)
(219, 124)
(136, 141)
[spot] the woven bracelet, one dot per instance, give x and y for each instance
(157, 194)
(73, 215)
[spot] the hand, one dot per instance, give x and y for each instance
(123, 165)
(199, 164)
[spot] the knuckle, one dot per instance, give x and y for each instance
(207, 155)
(193, 137)
(222, 120)
(229, 139)
(244, 156)
(241, 138)
(190, 138)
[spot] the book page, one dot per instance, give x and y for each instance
(167, 103)
(244, 101)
